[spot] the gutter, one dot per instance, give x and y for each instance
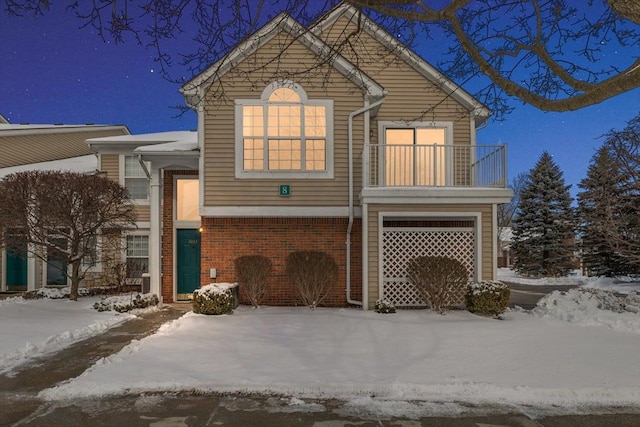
(144, 167)
(353, 114)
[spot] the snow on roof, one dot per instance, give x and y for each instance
(148, 138)
(169, 147)
(82, 164)
(29, 126)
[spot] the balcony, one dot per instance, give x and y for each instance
(432, 166)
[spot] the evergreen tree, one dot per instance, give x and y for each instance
(610, 204)
(543, 233)
(599, 200)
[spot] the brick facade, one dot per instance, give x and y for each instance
(167, 230)
(224, 239)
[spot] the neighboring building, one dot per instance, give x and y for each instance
(43, 147)
(373, 164)
(505, 257)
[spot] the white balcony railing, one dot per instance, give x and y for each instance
(386, 165)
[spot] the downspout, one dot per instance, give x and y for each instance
(350, 225)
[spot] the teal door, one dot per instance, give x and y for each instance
(16, 277)
(188, 268)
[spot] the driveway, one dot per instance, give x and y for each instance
(527, 296)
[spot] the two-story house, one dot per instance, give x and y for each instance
(367, 153)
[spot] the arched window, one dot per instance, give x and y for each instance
(284, 133)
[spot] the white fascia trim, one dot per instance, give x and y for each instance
(277, 211)
(406, 54)
(282, 22)
(49, 129)
(436, 195)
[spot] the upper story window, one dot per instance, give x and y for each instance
(417, 155)
(284, 134)
(135, 179)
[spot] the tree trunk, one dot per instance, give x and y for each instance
(75, 280)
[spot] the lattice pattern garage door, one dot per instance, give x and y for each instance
(399, 245)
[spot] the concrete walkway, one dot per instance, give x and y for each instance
(18, 392)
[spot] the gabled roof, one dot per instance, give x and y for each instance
(286, 23)
(420, 65)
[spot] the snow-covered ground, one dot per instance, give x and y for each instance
(404, 360)
(576, 351)
(31, 328)
(622, 285)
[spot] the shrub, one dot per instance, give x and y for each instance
(440, 281)
(384, 306)
(488, 298)
(252, 272)
(313, 273)
(124, 303)
(215, 298)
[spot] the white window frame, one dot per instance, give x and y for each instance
(125, 256)
(328, 173)
(97, 266)
(123, 177)
(448, 141)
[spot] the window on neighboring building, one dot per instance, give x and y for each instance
(415, 156)
(284, 132)
(137, 255)
(135, 179)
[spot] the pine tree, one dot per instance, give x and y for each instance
(543, 232)
(599, 200)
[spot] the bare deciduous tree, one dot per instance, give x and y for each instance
(551, 54)
(64, 215)
(507, 211)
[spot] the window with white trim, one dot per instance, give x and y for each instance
(137, 253)
(416, 155)
(135, 179)
(284, 134)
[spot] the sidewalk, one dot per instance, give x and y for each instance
(18, 392)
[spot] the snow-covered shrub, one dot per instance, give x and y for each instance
(489, 298)
(384, 306)
(314, 273)
(215, 298)
(252, 272)
(440, 281)
(124, 303)
(60, 293)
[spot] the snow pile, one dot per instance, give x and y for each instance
(593, 307)
(508, 275)
(622, 284)
(399, 360)
(31, 328)
(124, 303)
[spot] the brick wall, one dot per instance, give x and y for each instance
(224, 239)
(167, 231)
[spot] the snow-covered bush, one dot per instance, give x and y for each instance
(384, 306)
(489, 298)
(124, 303)
(215, 298)
(59, 293)
(314, 273)
(252, 272)
(440, 281)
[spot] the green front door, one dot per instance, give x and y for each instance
(16, 278)
(188, 269)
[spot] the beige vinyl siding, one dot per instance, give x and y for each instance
(20, 148)
(110, 164)
(143, 213)
(411, 96)
(486, 231)
(221, 188)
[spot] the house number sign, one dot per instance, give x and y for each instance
(285, 190)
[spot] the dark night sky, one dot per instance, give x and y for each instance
(53, 72)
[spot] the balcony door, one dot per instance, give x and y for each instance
(415, 156)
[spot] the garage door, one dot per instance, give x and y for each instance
(405, 240)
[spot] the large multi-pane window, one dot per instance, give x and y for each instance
(135, 179)
(187, 199)
(285, 132)
(137, 255)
